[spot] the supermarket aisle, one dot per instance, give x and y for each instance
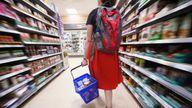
(60, 94)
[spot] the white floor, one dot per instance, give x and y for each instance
(60, 93)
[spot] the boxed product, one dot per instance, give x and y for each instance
(5, 54)
(185, 26)
(4, 70)
(156, 30)
(170, 28)
(143, 16)
(17, 53)
(25, 37)
(145, 33)
(4, 84)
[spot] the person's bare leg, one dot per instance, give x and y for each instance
(108, 98)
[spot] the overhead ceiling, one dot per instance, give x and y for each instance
(83, 7)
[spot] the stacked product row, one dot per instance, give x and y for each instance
(30, 55)
(155, 53)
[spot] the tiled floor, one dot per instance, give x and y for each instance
(60, 93)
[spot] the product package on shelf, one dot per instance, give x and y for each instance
(43, 63)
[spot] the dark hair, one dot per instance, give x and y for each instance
(109, 2)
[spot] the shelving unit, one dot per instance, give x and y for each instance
(135, 95)
(42, 56)
(13, 59)
(74, 40)
(175, 88)
(151, 92)
(133, 48)
(50, 20)
(130, 21)
(130, 33)
(32, 7)
(20, 11)
(9, 31)
(5, 92)
(40, 43)
(181, 66)
(185, 8)
(40, 71)
(167, 41)
(14, 73)
(32, 30)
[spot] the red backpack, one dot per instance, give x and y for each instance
(107, 37)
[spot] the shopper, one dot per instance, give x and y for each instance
(104, 66)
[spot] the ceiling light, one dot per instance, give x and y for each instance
(71, 11)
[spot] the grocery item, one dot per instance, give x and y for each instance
(25, 37)
(4, 84)
(156, 30)
(144, 34)
(185, 27)
(5, 54)
(143, 16)
(170, 28)
(4, 70)
(17, 53)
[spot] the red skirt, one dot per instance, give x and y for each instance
(105, 68)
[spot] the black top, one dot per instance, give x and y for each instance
(91, 20)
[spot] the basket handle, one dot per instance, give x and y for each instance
(73, 70)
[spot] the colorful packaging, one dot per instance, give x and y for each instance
(170, 28)
(185, 27)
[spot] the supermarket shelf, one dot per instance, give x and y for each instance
(187, 7)
(23, 99)
(11, 46)
(130, 1)
(8, 1)
(146, 88)
(131, 10)
(181, 66)
(9, 31)
(42, 56)
(32, 16)
(42, 70)
(175, 88)
(12, 59)
(166, 41)
(3, 93)
(49, 79)
(45, 6)
(40, 43)
(146, 4)
(13, 73)
(131, 20)
(130, 33)
(31, 6)
(6, 17)
(137, 97)
(32, 30)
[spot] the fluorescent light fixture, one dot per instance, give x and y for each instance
(71, 11)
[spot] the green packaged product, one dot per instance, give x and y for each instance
(17, 53)
(155, 33)
(4, 54)
(4, 70)
(169, 102)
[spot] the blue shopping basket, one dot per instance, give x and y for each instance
(89, 92)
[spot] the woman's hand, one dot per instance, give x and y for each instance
(84, 62)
